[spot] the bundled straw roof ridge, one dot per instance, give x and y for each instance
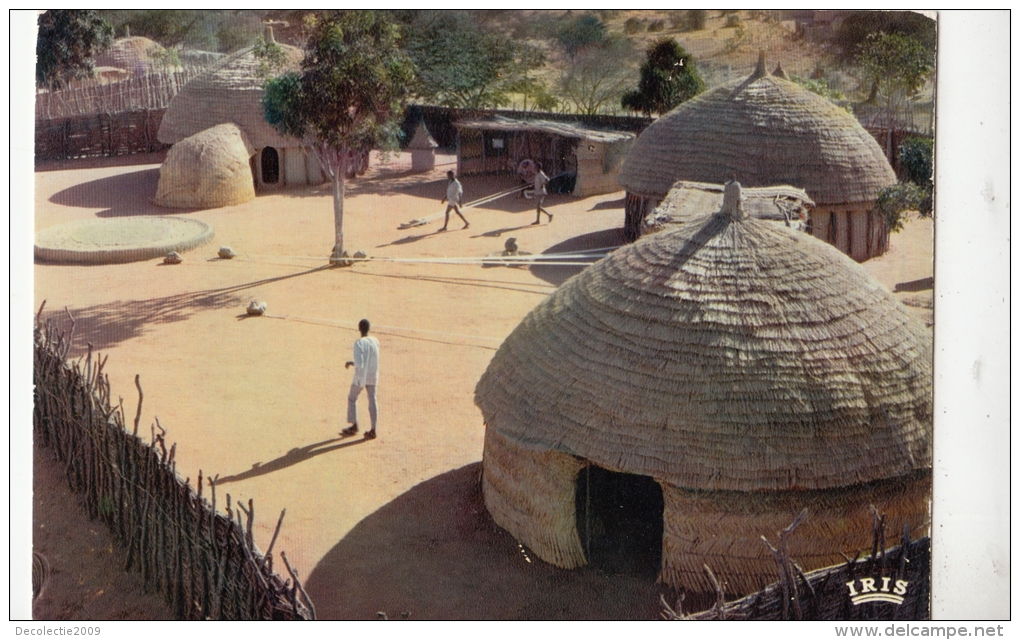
(230, 91)
(721, 355)
(764, 130)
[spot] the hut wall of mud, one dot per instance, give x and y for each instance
(98, 135)
(204, 562)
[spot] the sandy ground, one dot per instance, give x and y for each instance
(394, 524)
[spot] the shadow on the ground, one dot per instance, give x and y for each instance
(610, 204)
(107, 325)
(125, 194)
(557, 275)
(291, 458)
(435, 553)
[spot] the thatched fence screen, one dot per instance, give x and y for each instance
(99, 135)
(152, 90)
(205, 563)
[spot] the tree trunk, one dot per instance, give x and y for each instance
(339, 255)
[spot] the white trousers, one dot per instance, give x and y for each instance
(352, 404)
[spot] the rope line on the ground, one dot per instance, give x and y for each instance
(386, 330)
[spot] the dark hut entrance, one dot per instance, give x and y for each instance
(270, 166)
(619, 520)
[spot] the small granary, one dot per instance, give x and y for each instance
(787, 205)
(230, 91)
(423, 150)
(766, 131)
(699, 388)
(498, 145)
(207, 170)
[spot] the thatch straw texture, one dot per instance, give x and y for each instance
(229, 91)
(530, 493)
(785, 204)
(422, 139)
(723, 529)
(210, 169)
(763, 131)
(722, 354)
(134, 54)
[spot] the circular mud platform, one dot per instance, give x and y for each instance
(120, 240)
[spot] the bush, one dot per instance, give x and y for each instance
(896, 201)
(696, 19)
(916, 160)
(657, 25)
(633, 25)
(608, 14)
(732, 20)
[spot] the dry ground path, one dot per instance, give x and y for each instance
(259, 401)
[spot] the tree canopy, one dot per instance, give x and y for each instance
(348, 97)
(669, 76)
(857, 26)
(596, 77)
(68, 42)
(461, 63)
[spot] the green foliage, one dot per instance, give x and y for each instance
(895, 203)
(583, 32)
(212, 30)
(169, 27)
(822, 88)
(668, 77)
(916, 160)
(166, 58)
(461, 64)
(270, 56)
(67, 44)
(896, 63)
(857, 26)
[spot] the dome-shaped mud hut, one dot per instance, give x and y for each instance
(230, 91)
(207, 170)
(766, 131)
(699, 388)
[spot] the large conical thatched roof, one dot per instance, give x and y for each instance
(721, 354)
(229, 91)
(763, 131)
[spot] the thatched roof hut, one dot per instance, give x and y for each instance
(784, 204)
(721, 375)
(134, 54)
(207, 170)
(766, 131)
(230, 91)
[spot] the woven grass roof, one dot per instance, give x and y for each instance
(721, 354)
(763, 131)
(229, 91)
(132, 53)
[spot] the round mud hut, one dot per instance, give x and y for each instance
(230, 91)
(766, 131)
(698, 389)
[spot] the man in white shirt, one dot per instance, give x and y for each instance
(366, 376)
(454, 192)
(540, 181)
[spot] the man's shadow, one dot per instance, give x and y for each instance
(291, 458)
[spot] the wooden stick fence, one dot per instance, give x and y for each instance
(205, 563)
(152, 90)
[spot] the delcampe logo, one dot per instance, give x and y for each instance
(869, 592)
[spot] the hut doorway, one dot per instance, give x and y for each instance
(270, 166)
(619, 520)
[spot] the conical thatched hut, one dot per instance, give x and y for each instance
(423, 150)
(207, 170)
(767, 131)
(699, 388)
(134, 54)
(230, 91)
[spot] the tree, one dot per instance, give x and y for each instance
(668, 77)
(597, 76)
(462, 64)
(585, 31)
(349, 95)
(67, 44)
(856, 26)
(896, 67)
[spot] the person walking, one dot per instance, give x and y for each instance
(454, 193)
(540, 181)
(366, 376)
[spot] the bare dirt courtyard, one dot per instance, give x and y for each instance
(396, 524)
